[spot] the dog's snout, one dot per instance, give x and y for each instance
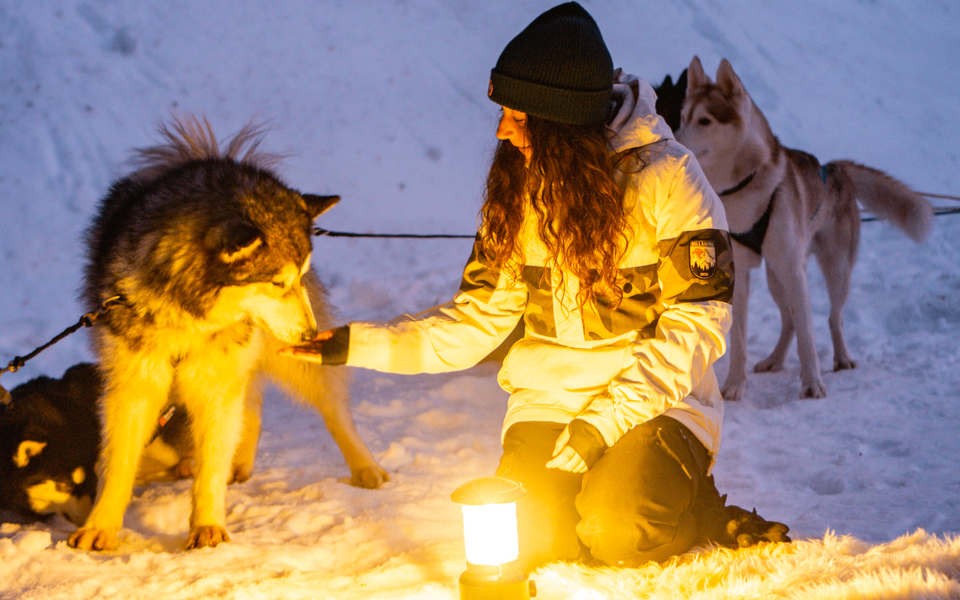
(308, 335)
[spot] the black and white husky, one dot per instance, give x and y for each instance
(209, 254)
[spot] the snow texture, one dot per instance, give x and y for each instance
(383, 102)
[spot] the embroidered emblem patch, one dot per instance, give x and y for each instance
(703, 259)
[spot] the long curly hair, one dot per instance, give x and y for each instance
(579, 206)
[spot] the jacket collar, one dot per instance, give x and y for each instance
(636, 122)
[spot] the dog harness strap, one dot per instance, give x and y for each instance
(739, 186)
(824, 173)
(753, 239)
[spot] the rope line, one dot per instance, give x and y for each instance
(941, 196)
(90, 318)
(86, 320)
(318, 231)
(326, 232)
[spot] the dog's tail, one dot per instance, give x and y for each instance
(890, 199)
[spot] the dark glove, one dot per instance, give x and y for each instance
(732, 526)
(745, 529)
(586, 440)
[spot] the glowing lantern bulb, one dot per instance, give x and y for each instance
(490, 533)
(490, 540)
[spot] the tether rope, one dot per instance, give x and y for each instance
(319, 231)
(90, 318)
(86, 320)
(326, 232)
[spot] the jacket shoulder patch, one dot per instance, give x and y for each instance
(703, 259)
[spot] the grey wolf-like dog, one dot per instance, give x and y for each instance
(210, 254)
(782, 206)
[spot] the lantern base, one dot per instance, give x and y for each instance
(507, 582)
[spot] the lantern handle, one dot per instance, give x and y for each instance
(488, 490)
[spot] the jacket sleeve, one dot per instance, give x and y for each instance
(450, 337)
(695, 274)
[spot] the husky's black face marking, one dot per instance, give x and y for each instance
(235, 241)
(711, 107)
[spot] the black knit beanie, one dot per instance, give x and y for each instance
(558, 69)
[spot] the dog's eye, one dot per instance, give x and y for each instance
(704, 121)
(279, 284)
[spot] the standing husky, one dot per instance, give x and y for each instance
(782, 205)
(210, 256)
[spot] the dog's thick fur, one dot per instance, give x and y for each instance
(210, 254)
(810, 210)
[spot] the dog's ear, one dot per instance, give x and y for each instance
(730, 85)
(27, 450)
(317, 205)
(234, 240)
(696, 76)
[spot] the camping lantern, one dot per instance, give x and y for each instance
(490, 538)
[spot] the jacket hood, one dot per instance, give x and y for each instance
(636, 122)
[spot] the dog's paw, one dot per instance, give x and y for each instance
(369, 477)
(184, 469)
(241, 474)
(93, 539)
(733, 392)
(770, 364)
(207, 536)
(813, 390)
(843, 364)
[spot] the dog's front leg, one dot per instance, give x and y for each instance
(213, 387)
(335, 408)
(793, 277)
(135, 392)
(735, 385)
(328, 389)
(246, 455)
(774, 362)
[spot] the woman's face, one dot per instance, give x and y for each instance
(513, 128)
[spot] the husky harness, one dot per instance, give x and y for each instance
(753, 238)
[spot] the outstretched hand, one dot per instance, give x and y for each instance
(309, 351)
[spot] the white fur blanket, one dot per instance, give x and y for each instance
(917, 565)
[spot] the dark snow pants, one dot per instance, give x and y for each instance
(635, 505)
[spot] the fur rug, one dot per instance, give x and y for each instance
(917, 565)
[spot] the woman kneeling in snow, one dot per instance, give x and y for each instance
(601, 232)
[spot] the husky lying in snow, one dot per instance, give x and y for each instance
(782, 206)
(48, 446)
(210, 254)
(49, 438)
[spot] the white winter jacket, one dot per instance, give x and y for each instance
(616, 368)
